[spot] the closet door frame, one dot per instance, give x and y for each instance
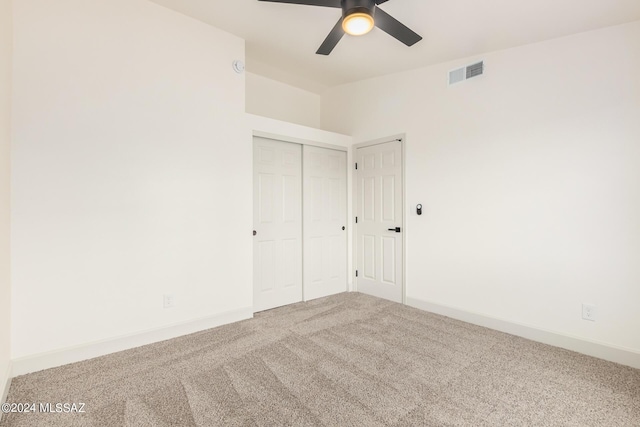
(348, 218)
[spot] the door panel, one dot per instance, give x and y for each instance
(368, 198)
(265, 195)
(266, 259)
(314, 262)
(291, 199)
(369, 256)
(290, 251)
(336, 250)
(379, 208)
(388, 198)
(325, 214)
(277, 219)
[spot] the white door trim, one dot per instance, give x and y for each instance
(354, 253)
(284, 138)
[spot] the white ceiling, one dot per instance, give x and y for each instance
(281, 39)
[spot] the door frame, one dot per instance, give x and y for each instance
(303, 142)
(354, 235)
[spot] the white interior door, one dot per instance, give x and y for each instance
(325, 220)
(277, 219)
(380, 220)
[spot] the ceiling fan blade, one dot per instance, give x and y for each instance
(395, 28)
(381, 1)
(332, 39)
(325, 3)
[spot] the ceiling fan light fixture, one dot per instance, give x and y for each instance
(358, 18)
(358, 23)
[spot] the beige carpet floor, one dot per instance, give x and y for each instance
(345, 360)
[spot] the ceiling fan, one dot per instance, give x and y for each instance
(358, 18)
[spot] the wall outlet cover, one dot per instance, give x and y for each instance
(589, 312)
(169, 301)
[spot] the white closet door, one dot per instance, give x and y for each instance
(325, 221)
(277, 219)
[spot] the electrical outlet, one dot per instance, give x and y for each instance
(169, 301)
(589, 312)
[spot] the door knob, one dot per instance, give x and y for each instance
(397, 229)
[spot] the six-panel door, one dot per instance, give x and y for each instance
(325, 215)
(380, 220)
(277, 219)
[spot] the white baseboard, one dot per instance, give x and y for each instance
(52, 359)
(623, 356)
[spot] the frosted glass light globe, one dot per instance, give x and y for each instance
(357, 24)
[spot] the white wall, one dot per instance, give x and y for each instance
(530, 179)
(131, 172)
(276, 100)
(5, 138)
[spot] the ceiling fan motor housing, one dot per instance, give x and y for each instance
(350, 7)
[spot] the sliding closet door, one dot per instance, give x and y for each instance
(277, 219)
(325, 221)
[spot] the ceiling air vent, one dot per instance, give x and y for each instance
(465, 73)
